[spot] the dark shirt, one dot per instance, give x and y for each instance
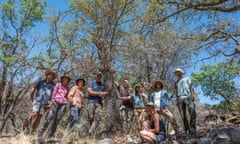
(97, 87)
(125, 93)
(44, 91)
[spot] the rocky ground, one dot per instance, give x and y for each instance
(212, 129)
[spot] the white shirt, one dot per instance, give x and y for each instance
(157, 97)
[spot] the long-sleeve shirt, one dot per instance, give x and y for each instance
(60, 93)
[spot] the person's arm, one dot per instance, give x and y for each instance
(144, 96)
(156, 120)
(95, 93)
(141, 119)
(32, 93)
(122, 95)
(33, 90)
(192, 92)
(71, 94)
(55, 92)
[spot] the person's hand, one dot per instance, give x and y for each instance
(103, 93)
(51, 105)
(193, 98)
(177, 102)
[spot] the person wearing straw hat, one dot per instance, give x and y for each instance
(75, 98)
(42, 99)
(161, 100)
(57, 106)
(185, 101)
(153, 127)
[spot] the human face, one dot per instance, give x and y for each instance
(178, 73)
(50, 77)
(98, 77)
(125, 84)
(158, 86)
(80, 83)
(149, 109)
(65, 81)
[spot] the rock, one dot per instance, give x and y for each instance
(105, 141)
(205, 141)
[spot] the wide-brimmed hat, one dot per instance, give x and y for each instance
(48, 72)
(138, 85)
(151, 104)
(62, 77)
(179, 70)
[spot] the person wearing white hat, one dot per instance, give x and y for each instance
(185, 101)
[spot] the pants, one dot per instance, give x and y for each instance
(74, 111)
(187, 105)
(94, 116)
(127, 116)
(55, 114)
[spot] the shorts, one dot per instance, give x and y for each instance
(38, 107)
(160, 137)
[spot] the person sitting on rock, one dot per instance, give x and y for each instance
(153, 127)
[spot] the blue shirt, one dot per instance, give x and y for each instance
(97, 87)
(44, 91)
(164, 100)
(138, 101)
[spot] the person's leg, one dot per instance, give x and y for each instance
(96, 119)
(32, 115)
(168, 114)
(59, 112)
(185, 119)
(46, 122)
(36, 122)
(192, 114)
(90, 111)
(74, 113)
(148, 136)
(123, 116)
(40, 111)
(130, 114)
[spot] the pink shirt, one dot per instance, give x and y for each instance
(60, 93)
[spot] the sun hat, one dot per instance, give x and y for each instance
(179, 70)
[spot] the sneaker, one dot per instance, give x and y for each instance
(173, 132)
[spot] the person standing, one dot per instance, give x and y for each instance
(96, 96)
(75, 97)
(42, 99)
(57, 106)
(127, 106)
(140, 100)
(161, 101)
(185, 101)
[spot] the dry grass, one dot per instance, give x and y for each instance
(27, 139)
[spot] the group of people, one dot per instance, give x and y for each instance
(53, 98)
(151, 109)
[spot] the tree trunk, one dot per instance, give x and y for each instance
(3, 84)
(113, 122)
